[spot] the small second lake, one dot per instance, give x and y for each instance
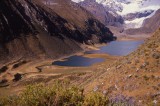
(78, 61)
(116, 48)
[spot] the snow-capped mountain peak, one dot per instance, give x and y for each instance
(136, 10)
(123, 7)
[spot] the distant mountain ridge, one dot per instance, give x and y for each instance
(102, 13)
(132, 12)
(122, 7)
(149, 25)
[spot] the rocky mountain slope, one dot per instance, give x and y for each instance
(102, 13)
(153, 22)
(132, 16)
(135, 20)
(31, 28)
(149, 25)
(120, 11)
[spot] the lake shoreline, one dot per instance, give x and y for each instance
(49, 72)
(114, 48)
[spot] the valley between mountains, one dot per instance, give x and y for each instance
(79, 53)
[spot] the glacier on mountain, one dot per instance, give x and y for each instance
(124, 7)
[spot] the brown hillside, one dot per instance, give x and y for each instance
(29, 28)
(136, 75)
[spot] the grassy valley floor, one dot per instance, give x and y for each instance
(44, 72)
(134, 76)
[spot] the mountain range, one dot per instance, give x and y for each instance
(102, 13)
(36, 29)
(149, 25)
(130, 13)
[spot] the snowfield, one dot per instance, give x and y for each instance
(124, 7)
